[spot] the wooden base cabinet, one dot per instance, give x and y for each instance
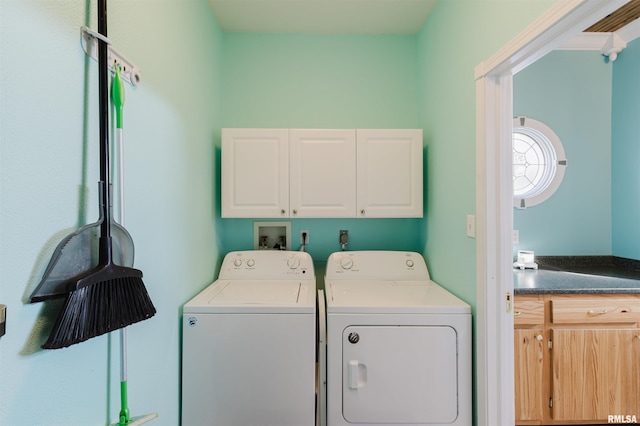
(529, 390)
(530, 355)
(595, 373)
(577, 360)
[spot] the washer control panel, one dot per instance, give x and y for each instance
(377, 265)
(267, 264)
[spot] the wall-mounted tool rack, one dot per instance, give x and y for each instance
(89, 39)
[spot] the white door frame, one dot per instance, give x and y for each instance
(494, 208)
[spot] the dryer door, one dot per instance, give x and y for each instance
(399, 374)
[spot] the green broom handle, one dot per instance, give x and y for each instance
(117, 95)
(125, 415)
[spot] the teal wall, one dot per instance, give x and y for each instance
(48, 126)
(571, 92)
(592, 105)
(322, 81)
(457, 37)
(49, 155)
(625, 173)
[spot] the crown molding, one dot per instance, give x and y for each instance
(608, 44)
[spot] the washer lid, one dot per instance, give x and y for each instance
(254, 296)
(352, 296)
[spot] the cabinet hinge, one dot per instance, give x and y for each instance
(550, 402)
(550, 344)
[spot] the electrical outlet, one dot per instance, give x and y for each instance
(344, 237)
(304, 236)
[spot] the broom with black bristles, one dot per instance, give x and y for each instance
(110, 296)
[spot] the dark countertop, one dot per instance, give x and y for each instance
(580, 275)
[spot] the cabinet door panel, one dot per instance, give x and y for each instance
(323, 176)
(596, 373)
(528, 359)
(255, 173)
(390, 173)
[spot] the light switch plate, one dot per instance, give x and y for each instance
(3, 319)
(471, 226)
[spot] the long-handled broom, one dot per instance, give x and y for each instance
(117, 96)
(110, 296)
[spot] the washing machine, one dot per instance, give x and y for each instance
(398, 345)
(249, 343)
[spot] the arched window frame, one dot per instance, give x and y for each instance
(544, 176)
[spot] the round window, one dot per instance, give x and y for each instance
(538, 162)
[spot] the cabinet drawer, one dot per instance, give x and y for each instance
(528, 311)
(594, 310)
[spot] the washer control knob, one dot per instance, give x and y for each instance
(409, 263)
(237, 262)
(250, 263)
(293, 263)
(346, 263)
(354, 338)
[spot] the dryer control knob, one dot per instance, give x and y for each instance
(410, 263)
(293, 263)
(346, 263)
(237, 262)
(250, 263)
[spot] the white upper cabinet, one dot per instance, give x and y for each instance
(255, 173)
(390, 173)
(322, 173)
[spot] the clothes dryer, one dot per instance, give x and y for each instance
(249, 343)
(398, 344)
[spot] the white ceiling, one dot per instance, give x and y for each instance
(322, 16)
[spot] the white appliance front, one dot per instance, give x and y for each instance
(248, 354)
(399, 350)
(400, 361)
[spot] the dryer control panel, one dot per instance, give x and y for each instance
(377, 265)
(266, 265)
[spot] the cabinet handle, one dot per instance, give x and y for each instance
(516, 313)
(592, 312)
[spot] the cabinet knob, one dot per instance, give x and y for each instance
(362, 211)
(539, 337)
(295, 211)
(516, 313)
(282, 211)
(592, 312)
